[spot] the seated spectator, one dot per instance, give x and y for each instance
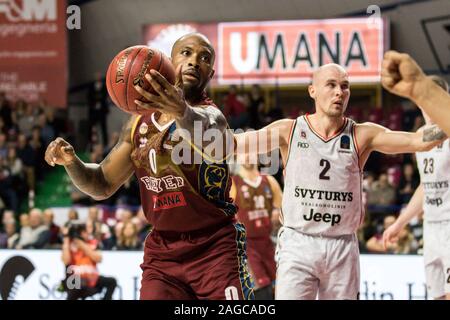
(7, 192)
(24, 220)
(128, 238)
(26, 153)
(100, 230)
(382, 192)
(9, 237)
(72, 215)
(55, 236)
(375, 243)
(37, 235)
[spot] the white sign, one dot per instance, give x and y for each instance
(36, 275)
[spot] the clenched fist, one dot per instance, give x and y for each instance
(59, 151)
(401, 75)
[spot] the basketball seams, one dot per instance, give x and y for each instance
(130, 68)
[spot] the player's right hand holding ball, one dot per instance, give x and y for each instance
(59, 151)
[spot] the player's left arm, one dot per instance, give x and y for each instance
(375, 137)
(277, 196)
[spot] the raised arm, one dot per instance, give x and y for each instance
(401, 75)
(99, 181)
(373, 137)
(274, 136)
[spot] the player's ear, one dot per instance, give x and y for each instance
(211, 74)
(312, 91)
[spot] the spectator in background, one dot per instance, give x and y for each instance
(98, 106)
(47, 131)
(101, 230)
(96, 155)
(7, 192)
(27, 117)
(382, 193)
(375, 243)
(17, 174)
(37, 144)
(26, 153)
(409, 181)
(256, 106)
(3, 145)
(37, 235)
(72, 215)
(24, 220)
(235, 109)
(113, 140)
(54, 238)
(128, 237)
(9, 237)
(5, 110)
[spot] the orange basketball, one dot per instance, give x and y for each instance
(128, 68)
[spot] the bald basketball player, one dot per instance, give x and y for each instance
(196, 249)
(432, 198)
(323, 155)
(401, 75)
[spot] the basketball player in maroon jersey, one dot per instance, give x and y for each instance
(196, 249)
(258, 198)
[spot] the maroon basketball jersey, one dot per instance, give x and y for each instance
(254, 200)
(177, 197)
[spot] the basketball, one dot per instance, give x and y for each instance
(128, 68)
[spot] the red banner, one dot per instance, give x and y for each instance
(33, 50)
(285, 51)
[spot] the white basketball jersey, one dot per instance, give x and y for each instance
(434, 167)
(323, 182)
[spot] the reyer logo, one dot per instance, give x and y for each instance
(28, 10)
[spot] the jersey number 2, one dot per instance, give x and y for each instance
(326, 164)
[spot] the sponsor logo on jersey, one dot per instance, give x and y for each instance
(303, 134)
(158, 185)
(168, 201)
(325, 217)
(435, 185)
(323, 195)
(345, 142)
(434, 201)
(303, 145)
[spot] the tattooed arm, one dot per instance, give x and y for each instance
(373, 137)
(99, 181)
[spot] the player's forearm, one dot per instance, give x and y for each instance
(413, 209)
(205, 128)
(428, 137)
(88, 178)
(435, 101)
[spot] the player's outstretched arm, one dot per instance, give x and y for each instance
(413, 209)
(99, 181)
(274, 136)
(401, 75)
(374, 137)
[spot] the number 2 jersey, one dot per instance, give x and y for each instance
(434, 168)
(323, 181)
(254, 200)
(178, 197)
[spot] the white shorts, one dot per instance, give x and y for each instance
(315, 267)
(436, 254)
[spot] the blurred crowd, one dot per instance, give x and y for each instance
(27, 128)
(121, 229)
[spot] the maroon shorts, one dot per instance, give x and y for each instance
(209, 265)
(261, 261)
